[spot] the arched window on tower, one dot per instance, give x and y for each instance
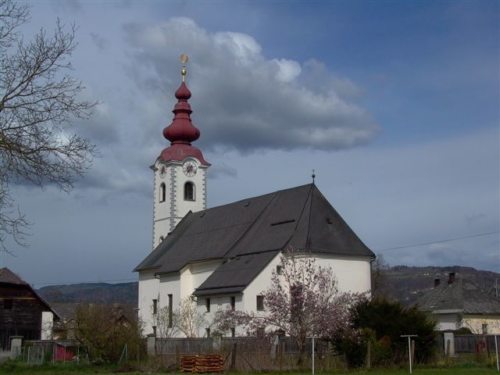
(163, 192)
(189, 192)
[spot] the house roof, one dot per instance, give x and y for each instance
(10, 278)
(460, 296)
(235, 274)
(250, 232)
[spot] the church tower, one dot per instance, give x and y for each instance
(180, 172)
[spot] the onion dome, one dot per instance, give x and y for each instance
(181, 132)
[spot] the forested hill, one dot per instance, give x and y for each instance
(101, 293)
(403, 283)
(406, 284)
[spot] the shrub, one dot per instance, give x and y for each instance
(382, 323)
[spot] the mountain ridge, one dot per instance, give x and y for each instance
(403, 283)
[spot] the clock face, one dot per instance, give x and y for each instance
(189, 168)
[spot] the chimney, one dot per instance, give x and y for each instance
(451, 277)
(437, 281)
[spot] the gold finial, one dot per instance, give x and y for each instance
(184, 60)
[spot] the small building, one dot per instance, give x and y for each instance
(459, 303)
(22, 311)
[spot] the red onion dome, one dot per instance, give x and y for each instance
(182, 130)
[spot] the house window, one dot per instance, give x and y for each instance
(207, 304)
(233, 303)
(233, 332)
(207, 331)
(260, 303)
(7, 304)
(189, 191)
(162, 192)
(170, 311)
(155, 306)
(485, 328)
(279, 270)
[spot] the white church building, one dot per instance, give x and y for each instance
(223, 257)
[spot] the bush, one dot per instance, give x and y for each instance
(382, 323)
(105, 332)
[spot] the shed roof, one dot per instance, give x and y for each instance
(10, 278)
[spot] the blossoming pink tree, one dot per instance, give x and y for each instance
(302, 301)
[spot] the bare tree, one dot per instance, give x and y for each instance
(38, 100)
(189, 318)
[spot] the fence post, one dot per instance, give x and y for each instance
(233, 357)
(369, 354)
(15, 346)
(151, 345)
(177, 357)
(496, 351)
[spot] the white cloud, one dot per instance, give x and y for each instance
(244, 100)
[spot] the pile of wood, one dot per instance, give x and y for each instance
(202, 363)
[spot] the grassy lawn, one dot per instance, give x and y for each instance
(70, 369)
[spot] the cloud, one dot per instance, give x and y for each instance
(100, 42)
(69, 6)
(243, 99)
(101, 128)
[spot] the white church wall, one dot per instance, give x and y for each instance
(167, 213)
(259, 285)
(193, 275)
(199, 179)
(148, 291)
(161, 208)
(170, 284)
(217, 303)
(352, 274)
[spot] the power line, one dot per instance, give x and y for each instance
(440, 241)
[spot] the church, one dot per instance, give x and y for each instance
(223, 257)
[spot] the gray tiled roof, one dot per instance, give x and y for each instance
(461, 296)
(262, 226)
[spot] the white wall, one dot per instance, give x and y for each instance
(217, 303)
(352, 274)
(148, 290)
(260, 284)
(447, 322)
(47, 325)
(167, 214)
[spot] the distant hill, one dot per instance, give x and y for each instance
(406, 284)
(403, 283)
(125, 293)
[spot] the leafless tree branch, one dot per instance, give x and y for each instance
(38, 100)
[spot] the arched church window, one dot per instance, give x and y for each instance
(162, 192)
(189, 191)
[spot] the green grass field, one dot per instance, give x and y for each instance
(69, 369)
